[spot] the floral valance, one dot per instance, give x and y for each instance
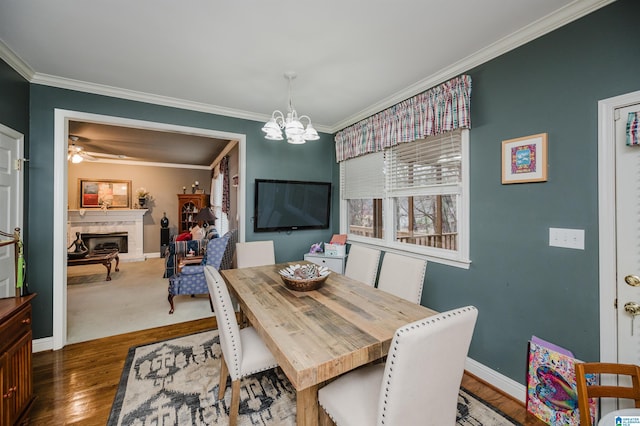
(440, 109)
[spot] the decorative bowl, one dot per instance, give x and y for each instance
(304, 277)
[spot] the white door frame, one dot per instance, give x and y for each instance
(60, 177)
(607, 221)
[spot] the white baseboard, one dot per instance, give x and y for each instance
(42, 344)
(152, 255)
(500, 381)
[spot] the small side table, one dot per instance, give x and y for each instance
(334, 263)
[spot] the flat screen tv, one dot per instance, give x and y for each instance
(286, 205)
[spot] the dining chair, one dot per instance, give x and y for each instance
(243, 351)
(417, 385)
(402, 276)
(255, 253)
(362, 264)
(586, 391)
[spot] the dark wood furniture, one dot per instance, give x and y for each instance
(188, 207)
(337, 328)
(16, 382)
(101, 258)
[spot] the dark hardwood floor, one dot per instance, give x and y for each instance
(76, 385)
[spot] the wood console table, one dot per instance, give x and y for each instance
(104, 259)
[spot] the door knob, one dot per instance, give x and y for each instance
(632, 280)
(632, 308)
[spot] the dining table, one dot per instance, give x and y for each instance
(318, 335)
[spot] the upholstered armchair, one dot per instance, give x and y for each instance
(191, 280)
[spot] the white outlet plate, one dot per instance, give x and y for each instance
(567, 238)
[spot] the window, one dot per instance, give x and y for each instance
(411, 197)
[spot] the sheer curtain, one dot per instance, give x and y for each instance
(220, 195)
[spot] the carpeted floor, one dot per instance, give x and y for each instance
(176, 382)
(134, 299)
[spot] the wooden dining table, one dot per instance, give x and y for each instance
(318, 335)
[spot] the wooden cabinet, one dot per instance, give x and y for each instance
(188, 207)
(16, 382)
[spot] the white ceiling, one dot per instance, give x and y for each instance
(352, 58)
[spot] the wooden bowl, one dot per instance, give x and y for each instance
(303, 284)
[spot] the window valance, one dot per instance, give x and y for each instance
(443, 108)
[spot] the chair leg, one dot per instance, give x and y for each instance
(235, 402)
(324, 420)
(170, 298)
(211, 303)
(224, 373)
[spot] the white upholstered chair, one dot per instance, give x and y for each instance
(243, 352)
(402, 276)
(255, 253)
(418, 384)
(362, 264)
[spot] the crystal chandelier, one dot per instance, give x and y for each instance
(292, 125)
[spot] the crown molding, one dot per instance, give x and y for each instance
(544, 25)
(15, 62)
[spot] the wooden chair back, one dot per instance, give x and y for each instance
(585, 391)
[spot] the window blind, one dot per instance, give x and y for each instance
(425, 163)
(363, 177)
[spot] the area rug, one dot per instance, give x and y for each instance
(175, 382)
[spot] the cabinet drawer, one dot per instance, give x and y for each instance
(336, 264)
(15, 327)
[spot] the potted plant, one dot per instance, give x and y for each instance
(142, 195)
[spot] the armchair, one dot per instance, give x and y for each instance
(191, 279)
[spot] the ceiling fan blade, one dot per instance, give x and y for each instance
(87, 157)
(105, 155)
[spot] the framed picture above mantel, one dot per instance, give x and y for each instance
(96, 193)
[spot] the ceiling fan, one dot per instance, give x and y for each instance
(77, 154)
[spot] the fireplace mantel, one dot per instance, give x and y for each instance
(111, 220)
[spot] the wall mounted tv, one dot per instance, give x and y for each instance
(286, 205)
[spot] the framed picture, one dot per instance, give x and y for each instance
(94, 193)
(524, 159)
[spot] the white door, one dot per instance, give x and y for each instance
(627, 240)
(10, 203)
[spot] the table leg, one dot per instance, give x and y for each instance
(307, 406)
(117, 263)
(107, 264)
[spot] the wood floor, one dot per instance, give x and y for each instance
(76, 385)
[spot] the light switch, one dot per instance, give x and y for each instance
(567, 238)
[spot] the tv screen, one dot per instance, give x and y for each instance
(285, 205)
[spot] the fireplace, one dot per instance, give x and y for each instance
(123, 227)
(106, 242)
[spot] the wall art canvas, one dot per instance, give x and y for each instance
(96, 193)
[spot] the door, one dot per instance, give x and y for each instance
(627, 239)
(10, 203)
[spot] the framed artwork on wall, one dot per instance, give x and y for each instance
(524, 159)
(96, 193)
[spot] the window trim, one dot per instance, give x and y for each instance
(458, 259)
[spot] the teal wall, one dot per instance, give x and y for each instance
(265, 159)
(520, 284)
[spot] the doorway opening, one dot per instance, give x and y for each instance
(61, 135)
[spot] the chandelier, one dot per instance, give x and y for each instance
(292, 125)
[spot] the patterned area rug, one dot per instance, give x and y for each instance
(175, 382)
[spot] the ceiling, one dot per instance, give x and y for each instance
(352, 58)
